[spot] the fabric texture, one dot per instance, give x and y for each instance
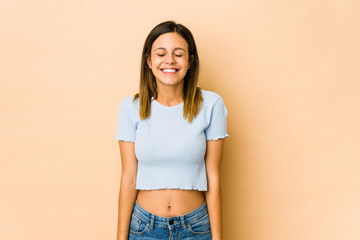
(193, 225)
(170, 150)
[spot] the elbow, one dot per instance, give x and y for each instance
(128, 180)
(213, 184)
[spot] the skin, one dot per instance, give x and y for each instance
(170, 51)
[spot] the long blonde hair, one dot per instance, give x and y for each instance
(148, 88)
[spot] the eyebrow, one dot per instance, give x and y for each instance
(165, 49)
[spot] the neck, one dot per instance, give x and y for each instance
(170, 95)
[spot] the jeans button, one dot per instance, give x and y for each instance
(171, 222)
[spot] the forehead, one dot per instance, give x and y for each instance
(170, 41)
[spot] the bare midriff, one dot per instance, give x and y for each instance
(170, 202)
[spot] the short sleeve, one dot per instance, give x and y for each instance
(217, 126)
(126, 124)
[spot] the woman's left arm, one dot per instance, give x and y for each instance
(213, 155)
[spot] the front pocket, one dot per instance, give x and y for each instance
(138, 226)
(200, 227)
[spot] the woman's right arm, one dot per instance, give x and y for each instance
(128, 192)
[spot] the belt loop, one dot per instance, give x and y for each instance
(152, 221)
(183, 222)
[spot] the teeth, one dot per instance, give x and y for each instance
(169, 70)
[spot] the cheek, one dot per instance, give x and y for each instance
(187, 65)
(187, 61)
(155, 62)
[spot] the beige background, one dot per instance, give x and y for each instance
(289, 75)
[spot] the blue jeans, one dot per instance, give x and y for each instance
(193, 225)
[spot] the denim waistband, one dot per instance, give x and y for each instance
(170, 222)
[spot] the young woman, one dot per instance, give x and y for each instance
(171, 136)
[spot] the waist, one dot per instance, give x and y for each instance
(182, 219)
(170, 202)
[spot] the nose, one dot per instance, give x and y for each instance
(170, 59)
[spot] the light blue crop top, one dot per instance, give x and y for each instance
(170, 150)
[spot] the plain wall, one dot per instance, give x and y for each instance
(289, 75)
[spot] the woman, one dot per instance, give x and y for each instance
(171, 137)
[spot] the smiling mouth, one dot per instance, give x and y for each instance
(169, 70)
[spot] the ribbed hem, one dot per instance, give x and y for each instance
(124, 139)
(217, 138)
(202, 189)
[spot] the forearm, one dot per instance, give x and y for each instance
(214, 202)
(127, 197)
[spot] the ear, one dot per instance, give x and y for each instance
(148, 60)
(191, 59)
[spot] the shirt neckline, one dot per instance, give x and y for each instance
(164, 106)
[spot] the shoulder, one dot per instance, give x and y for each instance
(130, 103)
(209, 97)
